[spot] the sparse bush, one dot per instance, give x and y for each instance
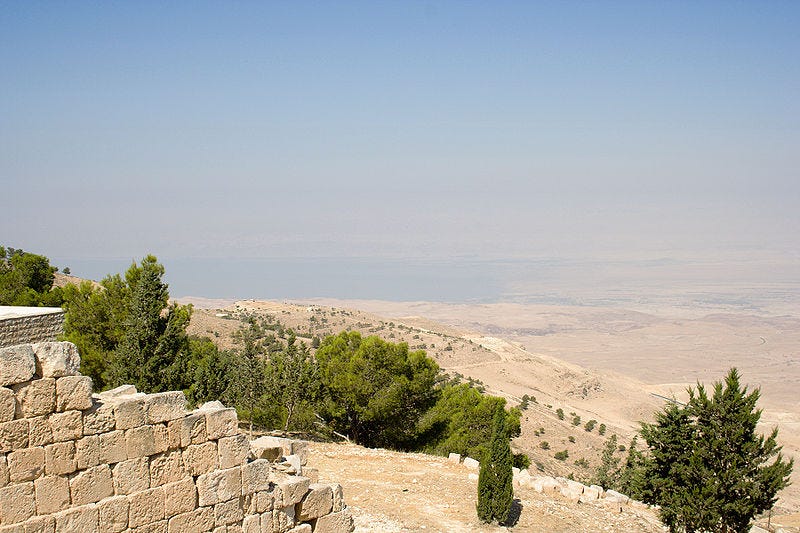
(589, 426)
(562, 455)
(602, 429)
(544, 445)
(576, 420)
(571, 439)
(560, 413)
(583, 463)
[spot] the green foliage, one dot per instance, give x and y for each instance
(560, 413)
(293, 383)
(461, 421)
(495, 480)
(582, 462)
(571, 439)
(562, 455)
(576, 420)
(601, 429)
(27, 279)
(521, 461)
(375, 391)
(589, 426)
(708, 469)
(544, 445)
(607, 474)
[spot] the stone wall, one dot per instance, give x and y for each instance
(20, 325)
(71, 460)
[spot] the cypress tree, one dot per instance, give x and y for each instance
(495, 480)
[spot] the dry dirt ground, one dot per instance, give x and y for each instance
(604, 364)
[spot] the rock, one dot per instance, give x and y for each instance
(471, 463)
(56, 359)
(454, 458)
(17, 364)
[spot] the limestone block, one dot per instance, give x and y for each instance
(233, 451)
(233, 528)
(161, 437)
(338, 497)
(130, 411)
(454, 458)
(219, 486)
(174, 434)
(616, 496)
(99, 418)
(119, 392)
(36, 397)
(472, 476)
(8, 404)
(266, 448)
(317, 501)
(56, 359)
(166, 468)
(162, 526)
(571, 493)
(192, 429)
(73, 392)
(301, 528)
(221, 422)
(146, 507)
(471, 463)
(311, 473)
(252, 524)
(26, 464)
(599, 490)
(59, 458)
(255, 476)
(17, 503)
(52, 494)
(40, 524)
(165, 406)
(15, 528)
(131, 476)
(17, 364)
(83, 519)
(3, 471)
(333, 523)
(589, 495)
(141, 442)
(13, 435)
(281, 520)
(292, 489)
(91, 485)
(113, 514)
(264, 501)
(201, 458)
(87, 451)
(39, 433)
(180, 497)
(291, 464)
(545, 484)
(112, 447)
(228, 512)
(66, 426)
(201, 519)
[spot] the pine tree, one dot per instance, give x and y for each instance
(495, 480)
(709, 470)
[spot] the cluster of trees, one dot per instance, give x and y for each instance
(705, 465)
(27, 279)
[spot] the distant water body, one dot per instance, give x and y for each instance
(467, 280)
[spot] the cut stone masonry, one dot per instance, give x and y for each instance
(121, 460)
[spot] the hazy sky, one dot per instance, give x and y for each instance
(413, 129)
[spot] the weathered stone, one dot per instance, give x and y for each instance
(87, 451)
(17, 503)
(281, 520)
(17, 364)
(589, 494)
(73, 392)
(56, 359)
(338, 497)
(130, 412)
(8, 404)
(35, 398)
(26, 464)
(255, 476)
(52, 494)
(13, 435)
(233, 451)
(292, 489)
(39, 524)
(39, 433)
(131, 476)
(119, 392)
(180, 497)
(220, 422)
(146, 507)
(311, 473)
(228, 512)
(113, 514)
(140, 442)
(83, 519)
(301, 528)
(471, 463)
(201, 519)
(66, 426)
(333, 523)
(99, 418)
(252, 524)
(91, 485)
(317, 501)
(454, 458)
(219, 486)
(3, 471)
(59, 458)
(111, 447)
(201, 458)
(166, 468)
(165, 406)
(616, 496)
(162, 526)
(266, 448)
(161, 437)
(264, 501)
(545, 484)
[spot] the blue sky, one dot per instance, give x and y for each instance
(399, 129)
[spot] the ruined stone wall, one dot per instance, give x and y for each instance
(45, 324)
(74, 461)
